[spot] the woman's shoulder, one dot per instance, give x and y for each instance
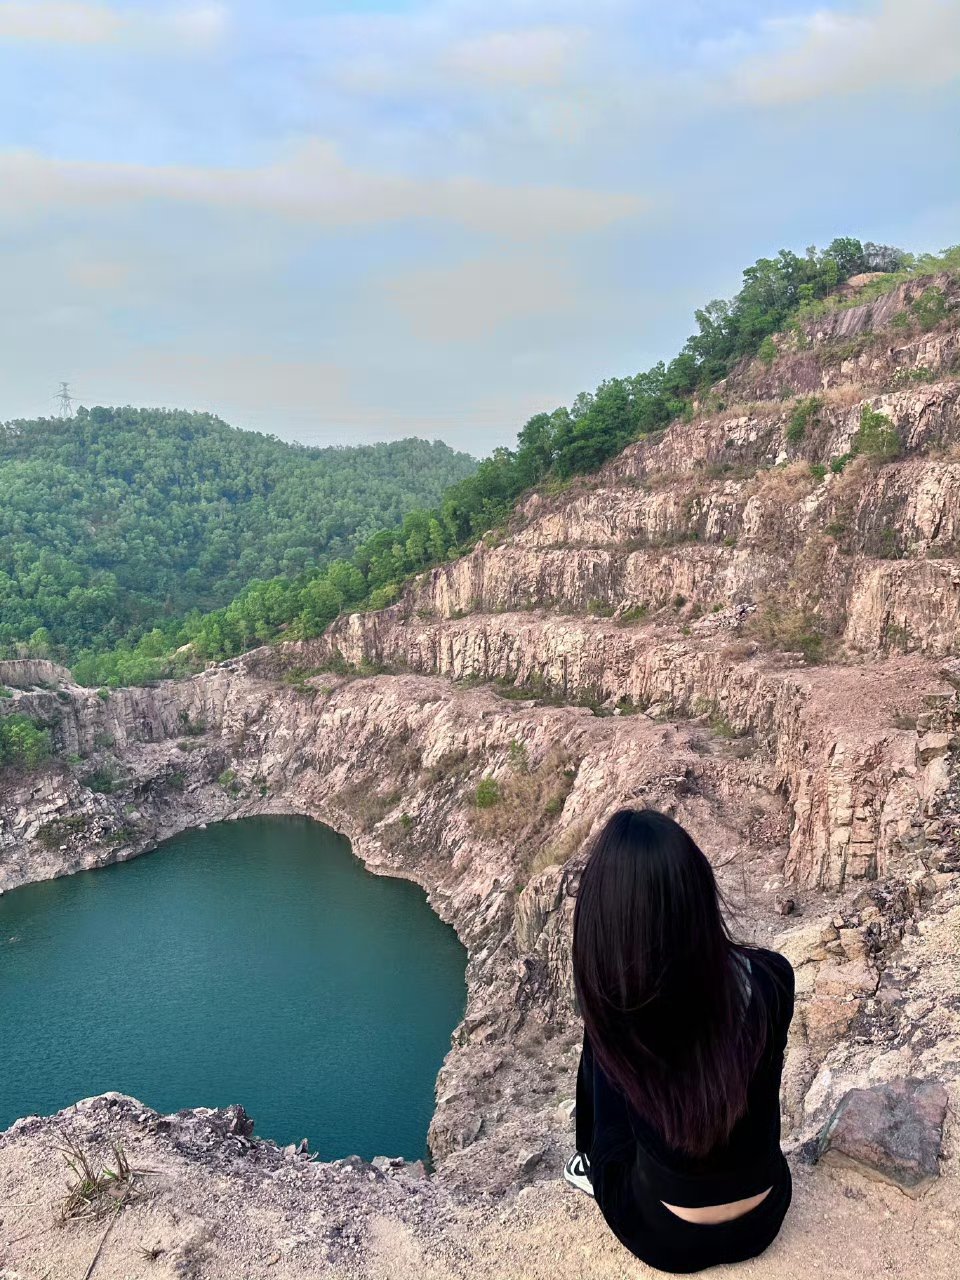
(772, 969)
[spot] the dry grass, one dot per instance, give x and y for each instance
(782, 485)
(842, 397)
(561, 850)
(527, 798)
(781, 624)
(738, 650)
(851, 479)
(366, 806)
(812, 567)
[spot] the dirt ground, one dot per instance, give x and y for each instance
(193, 1223)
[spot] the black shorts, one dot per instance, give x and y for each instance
(656, 1236)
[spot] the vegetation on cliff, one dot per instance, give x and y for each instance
(117, 519)
(777, 295)
(23, 743)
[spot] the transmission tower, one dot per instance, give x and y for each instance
(65, 401)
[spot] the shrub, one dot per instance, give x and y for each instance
(779, 624)
(634, 614)
(903, 720)
(768, 350)
(336, 665)
(877, 437)
(53, 834)
(904, 377)
(103, 780)
(487, 793)
(898, 636)
(805, 413)
(930, 308)
(627, 707)
(366, 806)
(818, 470)
(23, 742)
(5, 692)
(192, 728)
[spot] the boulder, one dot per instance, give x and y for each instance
(892, 1132)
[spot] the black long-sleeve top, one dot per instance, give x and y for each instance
(619, 1142)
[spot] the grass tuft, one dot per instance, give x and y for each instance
(97, 1192)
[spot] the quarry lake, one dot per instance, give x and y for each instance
(253, 962)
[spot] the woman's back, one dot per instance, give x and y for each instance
(639, 1180)
(678, 1090)
(747, 1163)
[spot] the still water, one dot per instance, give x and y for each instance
(254, 962)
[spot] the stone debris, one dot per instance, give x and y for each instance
(527, 1161)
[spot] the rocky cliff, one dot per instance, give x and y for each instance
(736, 622)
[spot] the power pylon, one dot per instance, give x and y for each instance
(65, 401)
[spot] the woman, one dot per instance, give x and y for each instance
(678, 1115)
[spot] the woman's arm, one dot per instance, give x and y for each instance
(584, 1113)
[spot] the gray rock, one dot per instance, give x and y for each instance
(567, 1110)
(892, 1132)
(527, 1161)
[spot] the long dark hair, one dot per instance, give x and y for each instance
(659, 985)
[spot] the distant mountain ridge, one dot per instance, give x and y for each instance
(119, 518)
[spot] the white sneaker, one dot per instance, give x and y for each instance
(577, 1172)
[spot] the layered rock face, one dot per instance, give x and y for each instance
(720, 624)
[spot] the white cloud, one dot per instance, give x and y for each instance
(313, 184)
(78, 23)
(524, 58)
(471, 300)
(895, 44)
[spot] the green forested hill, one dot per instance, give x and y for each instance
(297, 600)
(118, 519)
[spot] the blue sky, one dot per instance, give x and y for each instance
(347, 222)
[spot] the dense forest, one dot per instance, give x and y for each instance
(117, 520)
(777, 294)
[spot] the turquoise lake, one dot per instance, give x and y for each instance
(253, 962)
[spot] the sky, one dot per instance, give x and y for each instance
(340, 223)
